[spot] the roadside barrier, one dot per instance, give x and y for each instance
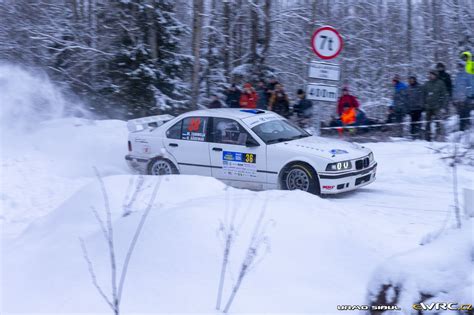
(387, 124)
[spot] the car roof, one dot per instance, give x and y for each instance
(236, 113)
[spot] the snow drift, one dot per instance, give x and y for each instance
(314, 251)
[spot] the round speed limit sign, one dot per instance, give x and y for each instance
(326, 42)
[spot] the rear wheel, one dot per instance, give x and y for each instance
(300, 176)
(161, 167)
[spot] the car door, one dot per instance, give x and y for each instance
(236, 157)
(187, 142)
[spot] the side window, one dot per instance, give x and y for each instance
(229, 131)
(194, 129)
(174, 132)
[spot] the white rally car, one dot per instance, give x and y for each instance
(247, 148)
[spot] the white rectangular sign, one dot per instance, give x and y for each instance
(324, 71)
(321, 92)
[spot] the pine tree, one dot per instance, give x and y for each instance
(147, 71)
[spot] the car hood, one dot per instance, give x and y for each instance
(334, 150)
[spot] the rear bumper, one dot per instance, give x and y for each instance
(137, 164)
(342, 182)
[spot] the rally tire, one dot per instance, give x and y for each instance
(160, 166)
(300, 176)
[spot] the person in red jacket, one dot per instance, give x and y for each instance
(248, 98)
(346, 98)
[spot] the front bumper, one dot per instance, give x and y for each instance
(137, 164)
(346, 181)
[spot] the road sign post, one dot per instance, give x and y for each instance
(327, 44)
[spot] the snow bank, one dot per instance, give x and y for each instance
(441, 271)
(313, 254)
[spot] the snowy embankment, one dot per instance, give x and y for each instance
(317, 253)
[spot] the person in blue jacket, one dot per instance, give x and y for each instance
(463, 96)
(399, 102)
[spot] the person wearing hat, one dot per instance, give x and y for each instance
(445, 77)
(415, 105)
(248, 98)
(435, 98)
(303, 109)
(467, 59)
(463, 96)
(346, 98)
(399, 103)
(233, 96)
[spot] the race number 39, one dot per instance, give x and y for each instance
(326, 42)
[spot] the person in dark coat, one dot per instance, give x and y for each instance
(233, 96)
(271, 87)
(262, 102)
(415, 104)
(445, 77)
(346, 98)
(303, 109)
(399, 103)
(435, 97)
(215, 102)
(279, 102)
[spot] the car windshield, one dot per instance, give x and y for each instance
(278, 131)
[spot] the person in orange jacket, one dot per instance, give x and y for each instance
(348, 117)
(248, 98)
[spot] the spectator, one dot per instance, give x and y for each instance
(303, 109)
(346, 98)
(415, 105)
(435, 96)
(248, 99)
(399, 103)
(445, 77)
(348, 117)
(361, 117)
(271, 87)
(215, 102)
(233, 96)
(262, 102)
(279, 102)
(463, 94)
(467, 59)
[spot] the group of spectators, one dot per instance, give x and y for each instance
(267, 96)
(434, 97)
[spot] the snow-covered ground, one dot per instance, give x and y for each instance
(318, 252)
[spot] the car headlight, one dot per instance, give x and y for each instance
(339, 166)
(371, 157)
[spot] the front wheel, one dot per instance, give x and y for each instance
(300, 176)
(161, 167)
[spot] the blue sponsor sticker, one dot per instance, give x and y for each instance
(239, 157)
(338, 151)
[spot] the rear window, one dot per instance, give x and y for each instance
(194, 129)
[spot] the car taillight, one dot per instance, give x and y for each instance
(129, 146)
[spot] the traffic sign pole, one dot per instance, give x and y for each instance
(327, 44)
